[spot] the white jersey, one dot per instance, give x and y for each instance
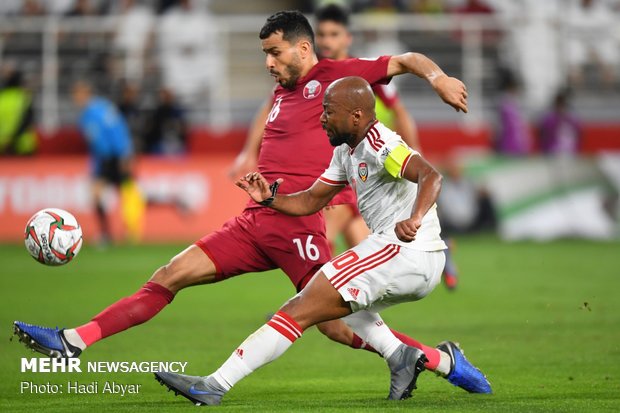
(374, 168)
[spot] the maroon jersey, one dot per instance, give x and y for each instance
(295, 147)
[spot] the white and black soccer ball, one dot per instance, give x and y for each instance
(53, 236)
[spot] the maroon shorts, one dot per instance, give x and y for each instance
(261, 239)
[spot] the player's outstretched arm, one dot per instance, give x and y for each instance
(305, 202)
(418, 170)
(450, 89)
(246, 160)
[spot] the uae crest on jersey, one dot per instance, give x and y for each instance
(312, 89)
(362, 171)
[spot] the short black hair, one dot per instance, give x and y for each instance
(333, 13)
(292, 23)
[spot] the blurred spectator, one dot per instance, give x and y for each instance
(514, 137)
(167, 128)
(164, 5)
(17, 133)
(374, 6)
(428, 6)
(188, 51)
(82, 8)
(590, 34)
(32, 8)
(560, 131)
(531, 46)
(473, 7)
(132, 37)
(129, 106)
(59, 7)
(477, 7)
(462, 206)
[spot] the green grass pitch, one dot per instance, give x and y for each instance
(541, 320)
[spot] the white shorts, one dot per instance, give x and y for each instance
(375, 274)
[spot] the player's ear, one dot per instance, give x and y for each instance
(357, 116)
(305, 48)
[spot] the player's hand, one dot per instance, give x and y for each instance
(243, 164)
(406, 230)
(256, 186)
(452, 91)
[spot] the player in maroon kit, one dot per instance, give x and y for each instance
(332, 42)
(260, 238)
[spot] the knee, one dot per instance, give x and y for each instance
(171, 276)
(291, 308)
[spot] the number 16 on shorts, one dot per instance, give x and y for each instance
(307, 250)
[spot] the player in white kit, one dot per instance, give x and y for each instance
(383, 269)
(402, 260)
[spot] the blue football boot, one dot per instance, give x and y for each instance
(48, 341)
(462, 373)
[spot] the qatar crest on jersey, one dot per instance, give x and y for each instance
(362, 171)
(312, 89)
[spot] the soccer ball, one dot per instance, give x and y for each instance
(53, 236)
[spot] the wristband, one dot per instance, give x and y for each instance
(274, 191)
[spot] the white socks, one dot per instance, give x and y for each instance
(371, 328)
(271, 340)
(267, 344)
(445, 362)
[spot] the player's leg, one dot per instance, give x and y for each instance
(323, 299)
(318, 302)
(98, 186)
(209, 260)
(340, 332)
(361, 276)
(190, 267)
(310, 250)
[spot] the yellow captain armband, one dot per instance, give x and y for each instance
(397, 160)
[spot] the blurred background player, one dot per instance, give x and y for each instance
(17, 134)
(111, 152)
